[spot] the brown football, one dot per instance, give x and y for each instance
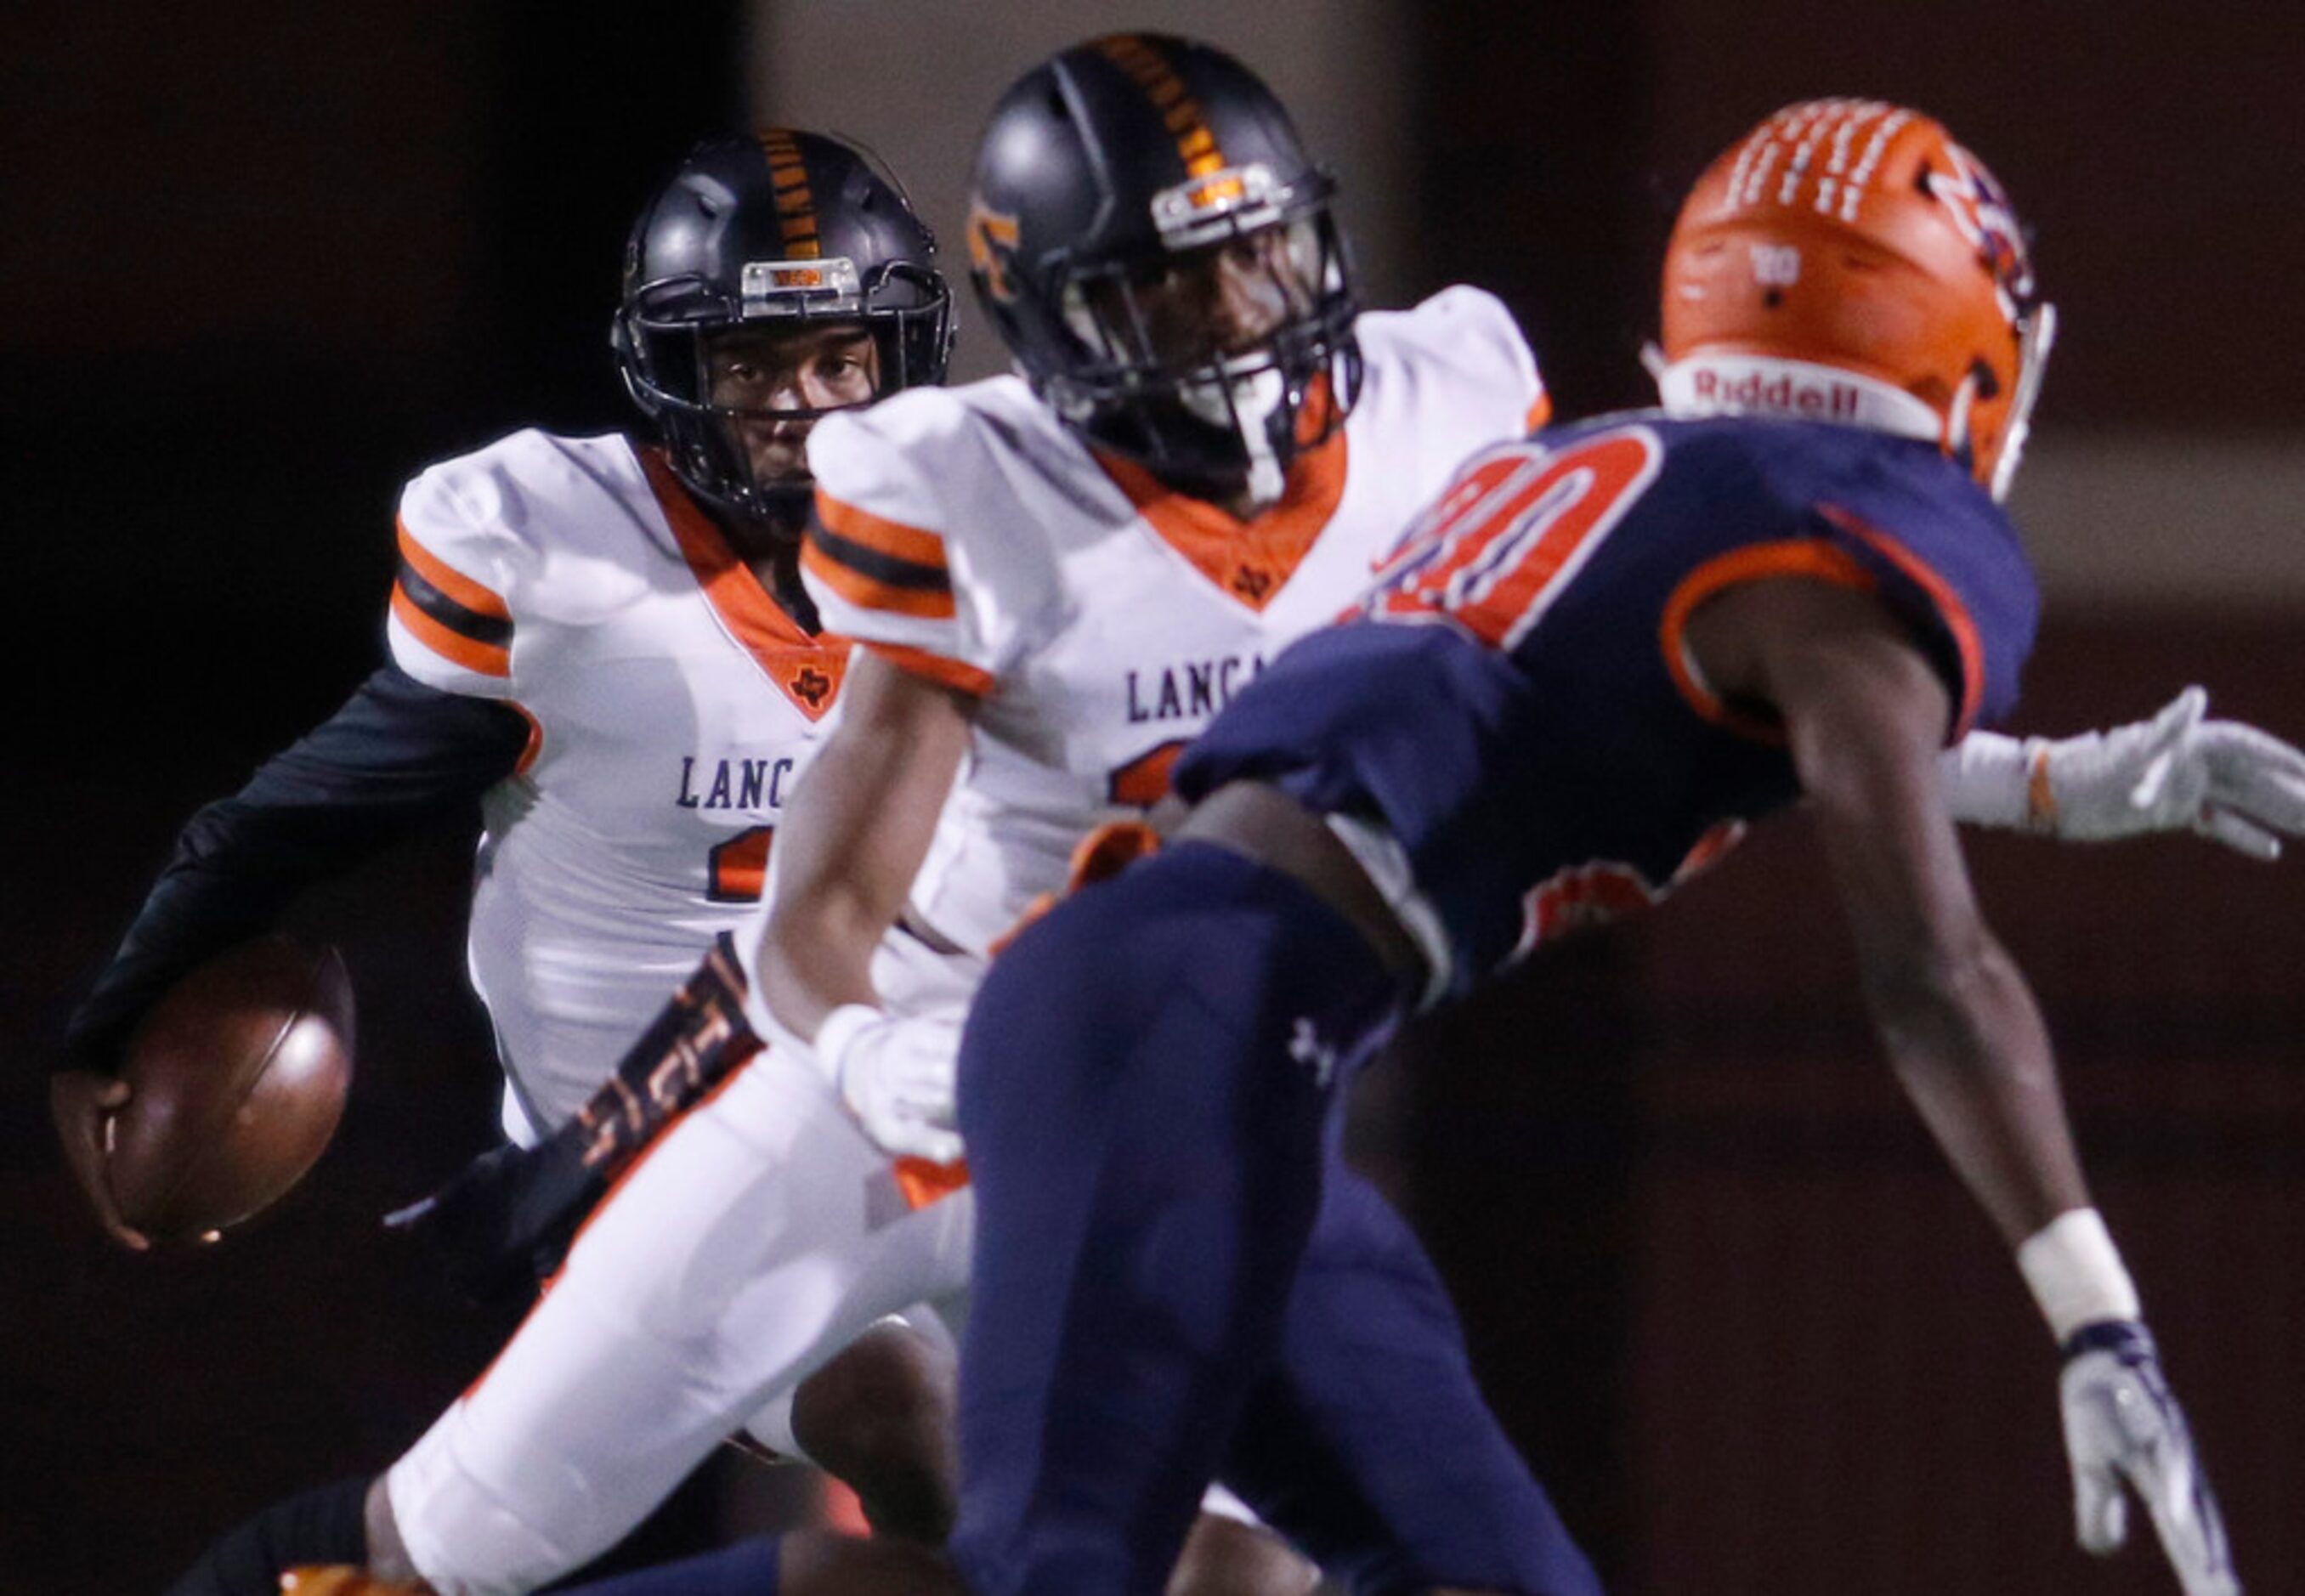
(237, 1079)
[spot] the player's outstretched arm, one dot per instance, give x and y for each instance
(852, 840)
(2176, 772)
(1864, 714)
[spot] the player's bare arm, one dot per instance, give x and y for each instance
(1866, 715)
(851, 844)
(854, 837)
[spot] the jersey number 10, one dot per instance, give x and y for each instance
(1512, 532)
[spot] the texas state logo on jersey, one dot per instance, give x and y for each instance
(1512, 699)
(673, 706)
(1102, 620)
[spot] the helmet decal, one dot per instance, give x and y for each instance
(1980, 211)
(1196, 145)
(795, 207)
(992, 247)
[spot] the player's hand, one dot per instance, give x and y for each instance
(2123, 1428)
(83, 1104)
(895, 1076)
(506, 1219)
(2230, 782)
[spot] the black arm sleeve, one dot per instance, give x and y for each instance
(397, 756)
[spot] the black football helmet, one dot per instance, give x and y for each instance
(1111, 183)
(781, 227)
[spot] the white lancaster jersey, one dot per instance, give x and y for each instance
(673, 705)
(1103, 621)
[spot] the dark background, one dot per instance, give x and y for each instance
(263, 259)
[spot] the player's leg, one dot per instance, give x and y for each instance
(755, 1239)
(880, 1419)
(1144, 1084)
(1371, 1444)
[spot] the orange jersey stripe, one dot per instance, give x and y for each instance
(1820, 561)
(923, 1182)
(879, 533)
(486, 659)
(1949, 606)
(535, 743)
(464, 590)
(936, 667)
(870, 592)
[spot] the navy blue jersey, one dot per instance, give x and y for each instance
(1513, 702)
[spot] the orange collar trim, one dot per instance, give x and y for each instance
(807, 670)
(1248, 561)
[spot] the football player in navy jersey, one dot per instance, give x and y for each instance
(1602, 654)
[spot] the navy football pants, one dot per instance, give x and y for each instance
(1174, 1279)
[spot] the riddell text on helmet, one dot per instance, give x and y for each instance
(1819, 399)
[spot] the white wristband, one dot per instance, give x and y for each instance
(2076, 1273)
(1988, 779)
(837, 1031)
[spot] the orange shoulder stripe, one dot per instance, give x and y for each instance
(867, 591)
(480, 600)
(1942, 593)
(879, 533)
(487, 659)
(1793, 558)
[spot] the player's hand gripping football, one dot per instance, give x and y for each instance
(895, 1076)
(83, 1103)
(2230, 782)
(2123, 1429)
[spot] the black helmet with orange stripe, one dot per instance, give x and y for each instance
(781, 229)
(1158, 252)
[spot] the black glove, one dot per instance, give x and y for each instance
(508, 1219)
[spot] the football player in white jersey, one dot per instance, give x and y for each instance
(1057, 578)
(604, 642)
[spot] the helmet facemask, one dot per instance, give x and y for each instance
(1217, 360)
(665, 333)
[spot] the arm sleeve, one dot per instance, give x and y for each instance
(397, 756)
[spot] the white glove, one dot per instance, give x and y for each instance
(895, 1076)
(2223, 780)
(2122, 1426)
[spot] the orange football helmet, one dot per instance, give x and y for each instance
(1847, 262)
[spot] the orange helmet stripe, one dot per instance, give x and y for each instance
(795, 205)
(1187, 122)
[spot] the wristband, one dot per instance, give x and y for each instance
(838, 1032)
(1992, 780)
(2076, 1273)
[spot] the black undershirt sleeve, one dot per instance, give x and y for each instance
(397, 757)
